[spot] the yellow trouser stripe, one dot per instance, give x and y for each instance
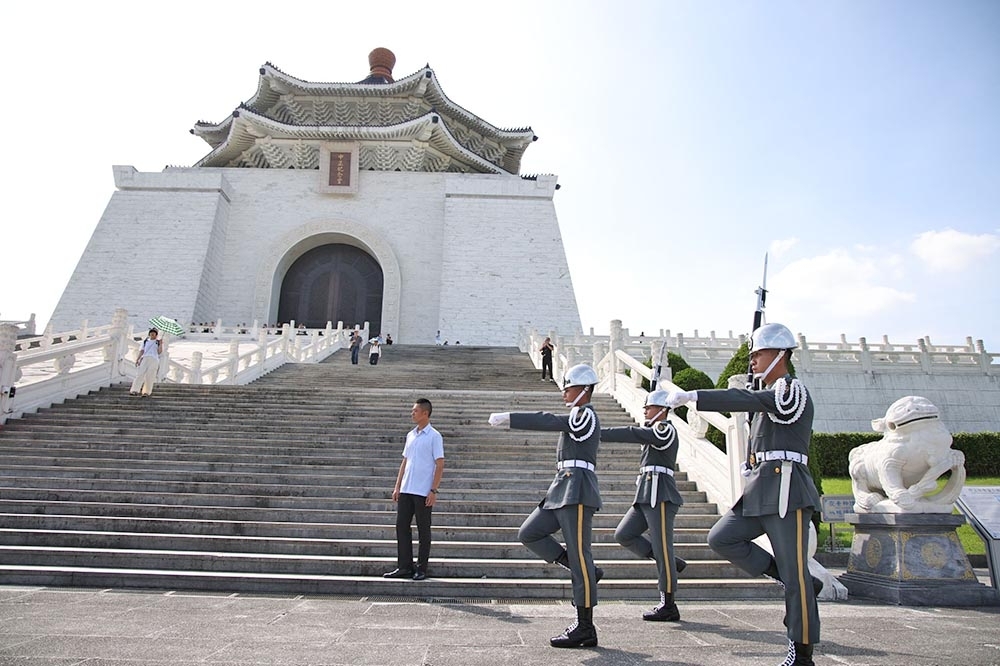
(803, 567)
(583, 562)
(666, 553)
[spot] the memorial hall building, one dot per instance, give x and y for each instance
(381, 201)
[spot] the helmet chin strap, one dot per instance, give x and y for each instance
(762, 375)
(651, 421)
(579, 395)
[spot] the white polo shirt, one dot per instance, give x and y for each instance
(423, 448)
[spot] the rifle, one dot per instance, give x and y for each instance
(659, 366)
(758, 319)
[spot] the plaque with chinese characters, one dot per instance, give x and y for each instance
(339, 168)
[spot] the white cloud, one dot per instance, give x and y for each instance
(951, 250)
(781, 246)
(841, 285)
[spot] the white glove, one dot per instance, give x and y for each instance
(500, 419)
(677, 399)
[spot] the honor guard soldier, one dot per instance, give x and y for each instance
(656, 501)
(780, 496)
(571, 501)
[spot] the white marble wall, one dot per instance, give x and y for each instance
(461, 253)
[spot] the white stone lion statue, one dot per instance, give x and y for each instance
(898, 473)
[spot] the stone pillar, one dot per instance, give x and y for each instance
(614, 344)
(8, 368)
(196, 359)
(866, 356)
(118, 345)
(912, 560)
(234, 360)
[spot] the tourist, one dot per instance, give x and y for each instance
(571, 501)
(355, 347)
(656, 501)
(437, 338)
(546, 349)
(302, 329)
(416, 491)
(148, 363)
(388, 338)
(374, 352)
(779, 497)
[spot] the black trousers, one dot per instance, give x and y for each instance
(407, 507)
(547, 365)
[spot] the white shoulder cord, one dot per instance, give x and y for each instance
(579, 418)
(666, 433)
(790, 406)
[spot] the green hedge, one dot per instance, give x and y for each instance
(830, 451)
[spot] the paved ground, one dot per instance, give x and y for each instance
(58, 626)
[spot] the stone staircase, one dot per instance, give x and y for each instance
(284, 486)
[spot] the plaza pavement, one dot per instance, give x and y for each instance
(42, 626)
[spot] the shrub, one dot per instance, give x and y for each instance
(830, 451)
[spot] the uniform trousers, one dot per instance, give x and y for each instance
(575, 521)
(146, 376)
(547, 366)
(659, 520)
(407, 507)
(732, 538)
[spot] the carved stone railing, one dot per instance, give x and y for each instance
(24, 326)
(38, 372)
(711, 353)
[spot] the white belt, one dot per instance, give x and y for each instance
(563, 464)
(791, 456)
(655, 470)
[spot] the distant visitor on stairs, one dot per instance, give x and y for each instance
(148, 363)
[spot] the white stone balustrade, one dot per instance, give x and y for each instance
(58, 366)
(25, 327)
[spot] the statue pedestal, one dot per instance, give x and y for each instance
(912, 560)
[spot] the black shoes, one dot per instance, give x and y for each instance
(665, 612)
(399, 573)
(419, 574)
(799, 654)
(772, 572)
(581, 633)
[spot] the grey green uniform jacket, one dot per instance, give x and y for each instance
(760, 497)
(574, 485)
(666, 487)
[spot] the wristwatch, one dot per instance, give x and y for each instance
(434, 490)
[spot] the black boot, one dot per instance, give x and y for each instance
(581, 633)
(563, 561)
(665, 612)
(772, 572)
(799, 654)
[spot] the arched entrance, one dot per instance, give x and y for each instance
(333, 283)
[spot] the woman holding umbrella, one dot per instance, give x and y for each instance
(148, 363)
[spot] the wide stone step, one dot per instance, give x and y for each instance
(383, 548)
(288, 530)
(336, 565)
(338, 493)
(374, 587)
(21, 475)
(251, 514)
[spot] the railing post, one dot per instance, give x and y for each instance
(736, 444)
(29, 326)
(614, 343)
(84, 326)
(866, 356)
(234, 360)
(982, 357)
(557, 368)
(804, 356)
(196, 359)
(8, 368)
(925, 355)
(118, 345)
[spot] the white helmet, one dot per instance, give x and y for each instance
(772, 336)
(657, 399)
(579, 375)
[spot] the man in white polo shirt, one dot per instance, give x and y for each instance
(416, 492)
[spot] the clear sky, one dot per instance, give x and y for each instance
(858, 142)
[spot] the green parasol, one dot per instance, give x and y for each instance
(167, 325)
